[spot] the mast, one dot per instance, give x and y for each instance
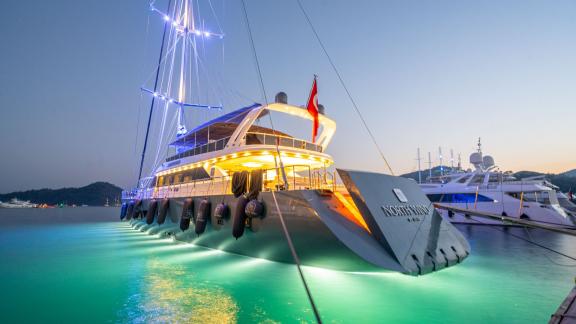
(166, 23)
(429, 165)
(440, 157)
(452, 160)
(419, 168)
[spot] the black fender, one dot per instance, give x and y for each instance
(187, 211)
(130, 211)
(152, 208)
(123, 211)
(163, 211)
(239, 217)
(202, 216)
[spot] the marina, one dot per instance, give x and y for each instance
(249, 162)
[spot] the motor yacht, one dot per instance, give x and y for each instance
(488, 190)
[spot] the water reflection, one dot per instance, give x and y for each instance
(171, 294)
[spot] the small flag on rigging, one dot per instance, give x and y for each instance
(312, 107)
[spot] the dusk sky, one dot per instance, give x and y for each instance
(424, 74)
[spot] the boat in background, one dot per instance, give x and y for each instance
(566, 203)
(16, 203)
(487, 190)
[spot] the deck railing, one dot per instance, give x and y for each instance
(253, 138)
(299, 177)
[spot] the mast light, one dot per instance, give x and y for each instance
(184, 29)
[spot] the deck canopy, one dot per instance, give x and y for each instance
(222, 127)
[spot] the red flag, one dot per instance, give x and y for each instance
(312, 107)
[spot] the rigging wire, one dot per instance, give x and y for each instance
(309, 21)
(284, 227)
(152, 103)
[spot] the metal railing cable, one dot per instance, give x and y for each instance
(333, 65)
(283, 223)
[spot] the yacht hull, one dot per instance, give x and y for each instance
(323, 236)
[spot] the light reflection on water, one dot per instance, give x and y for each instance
(171, 294)
(117, 274)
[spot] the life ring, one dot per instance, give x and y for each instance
(202, 216)
(163, 211)
(152, 208)
(187, 211)
(239, 218)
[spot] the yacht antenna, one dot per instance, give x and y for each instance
(440, 157)
(429, 165)
(419, 168)
(479, 145)
(166, 23)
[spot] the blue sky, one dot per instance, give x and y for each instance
(424, 73)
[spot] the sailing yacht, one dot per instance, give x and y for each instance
(485, 189)
(234, 184)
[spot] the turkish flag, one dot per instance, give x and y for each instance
(312, 107)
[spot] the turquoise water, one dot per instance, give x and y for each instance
(89, 268)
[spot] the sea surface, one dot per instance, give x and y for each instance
(81, 265)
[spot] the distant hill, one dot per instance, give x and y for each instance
(571, 173)
(94, 194)
(565, 181)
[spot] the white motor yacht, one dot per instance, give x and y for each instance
(486, 189)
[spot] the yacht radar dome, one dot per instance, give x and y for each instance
(488, 161)
(281, 97)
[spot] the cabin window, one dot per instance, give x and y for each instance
(495, 178)
(459, 198)
(477, 180)
(160, 181)
(542, 197)
(463, 179)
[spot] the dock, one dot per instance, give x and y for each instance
(566, 313)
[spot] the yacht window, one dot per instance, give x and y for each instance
(459, 198)
(464, 179)
(477, 180)
(495, 178)
(542, 197)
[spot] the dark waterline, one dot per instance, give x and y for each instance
(82, 265)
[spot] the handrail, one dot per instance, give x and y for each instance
(304, 144)
(302, 177)
(217, 146)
